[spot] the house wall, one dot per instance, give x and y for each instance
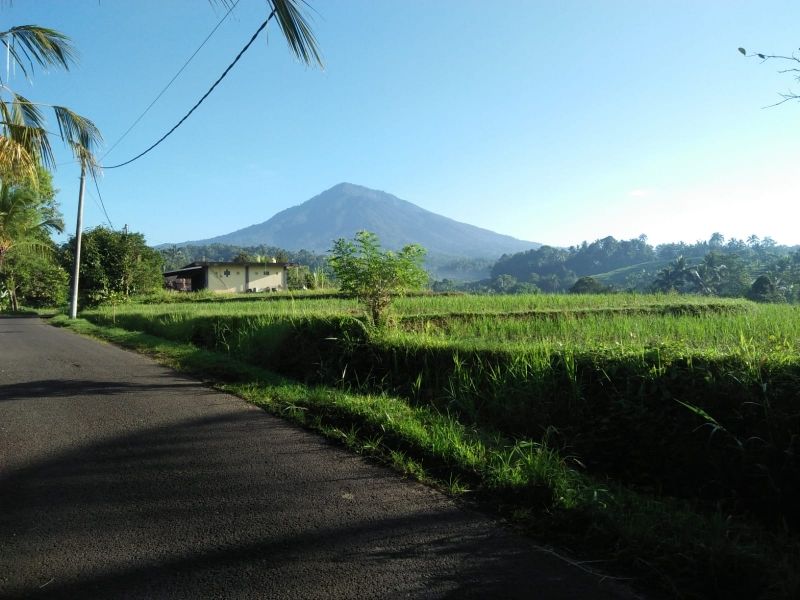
(267, 276)
(261, 277)
(218, 281)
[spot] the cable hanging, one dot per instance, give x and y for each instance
(171, 81)
(199, 102)
(102, 204)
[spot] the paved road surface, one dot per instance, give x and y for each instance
(122, 479)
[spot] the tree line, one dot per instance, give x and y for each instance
(757, 268)
(34, 270)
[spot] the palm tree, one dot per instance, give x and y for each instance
(24, 137)
(711, 273)
(672, 277)
(27, 218)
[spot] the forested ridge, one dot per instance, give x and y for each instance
(715, 267)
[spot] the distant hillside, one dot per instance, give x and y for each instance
(621, 278)
(346, 208)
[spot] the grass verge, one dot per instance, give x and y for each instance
(664, 543)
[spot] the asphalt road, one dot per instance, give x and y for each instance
(122, 479)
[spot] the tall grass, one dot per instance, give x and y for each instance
(289, 303)
(531, 302)
(766, 329)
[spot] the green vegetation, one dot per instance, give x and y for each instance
(726, 269)
(24, 134)
(314, 271)
(710, 268)
(372, 275)
(29, 271)
(176, 257)
(661, 429)
(114, 265)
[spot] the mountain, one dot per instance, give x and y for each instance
(347, 208)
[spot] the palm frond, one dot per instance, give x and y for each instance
(22, 123)
(26, 112)
(81, 135)
(35, 141)
(297, 30)
(31, 45)
(24, 141)
(51, 224)
(295, 27)
(16, 162)
(31, 246)
(26, 219)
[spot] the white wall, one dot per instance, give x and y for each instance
(261, 277)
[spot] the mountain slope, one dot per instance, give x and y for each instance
(346, 208)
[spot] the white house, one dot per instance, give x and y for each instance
(228, 277)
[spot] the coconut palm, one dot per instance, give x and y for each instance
(27, 218)
(672, 277)
(25, 141)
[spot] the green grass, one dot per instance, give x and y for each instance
(663, 541)
(530, 302)
(766, 329)
(305, 304)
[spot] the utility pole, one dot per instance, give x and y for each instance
(76, 267)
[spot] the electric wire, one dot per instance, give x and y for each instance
(96, 203)
(102, 204)
(171, 81)
(199, 102)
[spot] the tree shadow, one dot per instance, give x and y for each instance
(62, 388)
(237, 504)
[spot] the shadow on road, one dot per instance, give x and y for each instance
(59, 388)
(239, 505)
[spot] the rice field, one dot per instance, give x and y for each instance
(766, 329)
(420, 305)
(542, 322)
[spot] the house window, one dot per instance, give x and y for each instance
(227, 273)
(266, 272)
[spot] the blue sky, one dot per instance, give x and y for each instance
(549, 121)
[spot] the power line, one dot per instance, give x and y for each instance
(102, 204)
(199, 102)
(171, 81)
(96, 203)
(94, 199)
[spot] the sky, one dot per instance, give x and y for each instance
(553, 122)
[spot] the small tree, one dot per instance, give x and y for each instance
(589, 285)
(371, 274)
(298, 277)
